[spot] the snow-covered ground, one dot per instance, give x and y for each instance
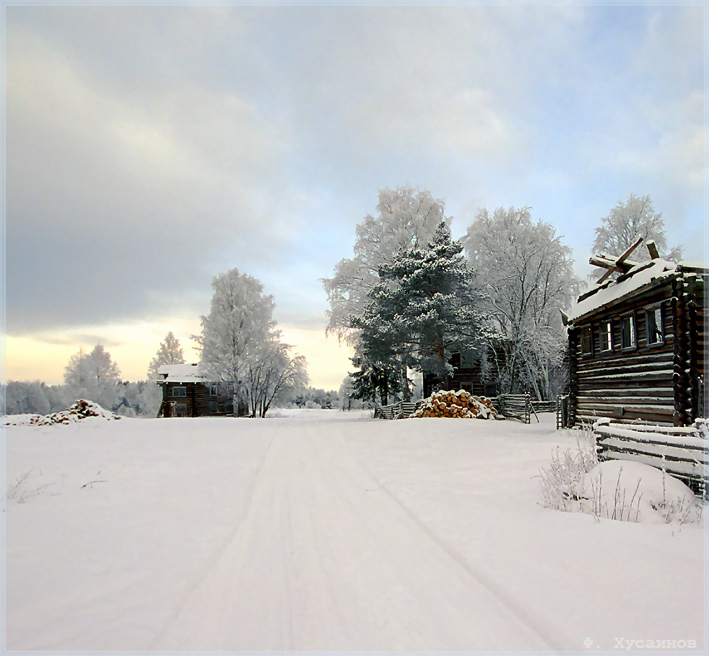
(323, 530)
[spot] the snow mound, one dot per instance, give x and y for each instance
(460, 404)
(78, 411)
(636, 492)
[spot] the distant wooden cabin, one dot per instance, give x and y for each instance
(470, 373)
(187, 392)
(637, 344)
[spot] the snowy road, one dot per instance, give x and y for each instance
(327, 532)
(324, 558)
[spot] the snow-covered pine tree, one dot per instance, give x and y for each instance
(424, 309)
(406, 218)
(169, 352)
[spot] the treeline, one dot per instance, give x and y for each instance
(140, 399)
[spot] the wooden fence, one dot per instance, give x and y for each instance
(515, 406)
(398, 410)
(681, 452)
(544, 406)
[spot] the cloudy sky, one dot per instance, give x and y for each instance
(151, 148)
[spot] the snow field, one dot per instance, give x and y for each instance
(323, 530)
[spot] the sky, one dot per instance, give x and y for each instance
(151, 148)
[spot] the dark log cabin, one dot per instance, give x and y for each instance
(473, 372)
(637, 344)
(186, 392)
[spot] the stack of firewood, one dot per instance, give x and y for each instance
(460, 404)
(76, 412)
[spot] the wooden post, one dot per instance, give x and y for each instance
(573, 375)
(692, 355)
(680, 376)
(652, 249)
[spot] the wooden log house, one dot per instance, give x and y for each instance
(637, 344)
(469, 374)
(187, 392)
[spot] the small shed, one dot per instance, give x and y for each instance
(187, 392)
(637, 343)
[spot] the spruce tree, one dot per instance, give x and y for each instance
(423, 309)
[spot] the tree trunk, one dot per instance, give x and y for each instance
(406, 391)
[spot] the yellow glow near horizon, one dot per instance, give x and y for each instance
(132, 347)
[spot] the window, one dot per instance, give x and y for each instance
(627, 331)
(654, 326)
(606, 336)
(179, 391)
(213, 389)
(213, 407)
(180, 409)
(586, 341)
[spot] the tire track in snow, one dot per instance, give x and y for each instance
(216, 556)
(535, 624)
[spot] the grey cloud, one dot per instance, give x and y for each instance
(150, 148)
(67, 339)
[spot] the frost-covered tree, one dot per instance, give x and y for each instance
(239, 322)
(241, 347)
(406, 218)
(93, 376)
(527, 275)
(141, 399)
(169, 352)
(273, 375)
(26, 398)
(423, 310)
(628, 221)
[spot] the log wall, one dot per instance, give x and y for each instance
(197, 403)
(625, 384)
(657, 383)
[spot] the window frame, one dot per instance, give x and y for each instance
(633, 333)
(213, 389)
(181, 388)
(584, 333)
(605, 328)
(661, 328)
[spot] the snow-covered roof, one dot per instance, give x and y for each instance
(638, 277)
(181, 373)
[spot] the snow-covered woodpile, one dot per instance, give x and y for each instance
(460, 404)
(78, 411)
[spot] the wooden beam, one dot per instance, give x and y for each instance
(605, 262)
(652, 249)
(624, 256)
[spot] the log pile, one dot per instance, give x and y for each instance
(460, 404)
(78, 411)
